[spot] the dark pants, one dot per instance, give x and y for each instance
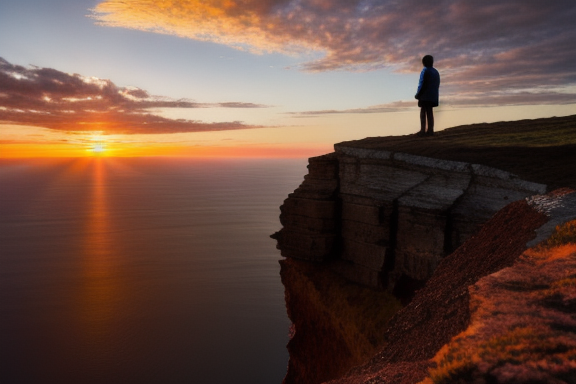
(426, 113)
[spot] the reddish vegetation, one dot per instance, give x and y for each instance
(440, 310)
(523, 324)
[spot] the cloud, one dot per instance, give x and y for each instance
(473, 99)
(483, 45)
(381, 108)
(71, 102)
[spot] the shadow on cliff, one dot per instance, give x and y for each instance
(335, 322)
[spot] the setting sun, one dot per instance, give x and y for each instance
(98, 148)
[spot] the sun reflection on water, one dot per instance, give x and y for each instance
(100, 293)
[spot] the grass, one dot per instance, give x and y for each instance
(520, 354)
(524, 133)
(540, 150)
(564, 234)
(519, 335)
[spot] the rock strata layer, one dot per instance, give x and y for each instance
(386, 219)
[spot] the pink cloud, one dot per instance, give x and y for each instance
(71, 102)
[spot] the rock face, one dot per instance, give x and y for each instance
(386, 219)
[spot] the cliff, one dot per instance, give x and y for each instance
(389, 217)
(379, 213)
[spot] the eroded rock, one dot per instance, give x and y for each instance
(394, 214)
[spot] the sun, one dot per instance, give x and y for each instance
(98, 148)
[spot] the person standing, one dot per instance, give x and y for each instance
(427, 95)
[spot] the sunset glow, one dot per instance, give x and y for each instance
(148, 148)
(272, 79)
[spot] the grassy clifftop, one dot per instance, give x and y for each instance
(540, 150)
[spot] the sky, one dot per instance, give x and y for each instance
(275, 78)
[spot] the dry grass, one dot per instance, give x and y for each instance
(564, 234)
(521, 355)
(523, 327)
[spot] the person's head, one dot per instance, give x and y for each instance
(428, 61)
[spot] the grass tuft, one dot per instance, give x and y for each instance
(563, 235)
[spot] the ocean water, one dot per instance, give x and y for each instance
(144, 270)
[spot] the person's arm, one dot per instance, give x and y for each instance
(423, 83)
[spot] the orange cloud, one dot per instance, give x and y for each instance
(240, 24)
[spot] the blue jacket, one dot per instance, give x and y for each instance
(428, 85)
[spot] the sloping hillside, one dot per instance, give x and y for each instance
(492, 312)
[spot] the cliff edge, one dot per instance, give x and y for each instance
(388, 212)
(430, 220)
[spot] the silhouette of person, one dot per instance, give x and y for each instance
(427, 95)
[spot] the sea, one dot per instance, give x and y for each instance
(143, 270)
